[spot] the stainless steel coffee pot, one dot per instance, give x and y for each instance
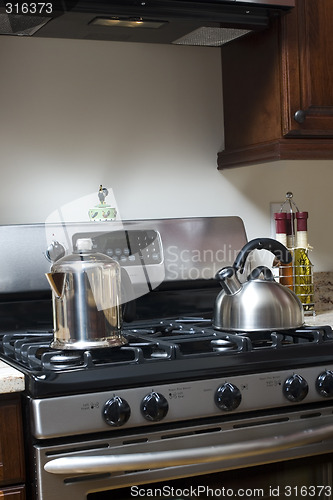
(259, 303)
(86, 294)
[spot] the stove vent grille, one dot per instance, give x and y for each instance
(211, 37)
(23, 25)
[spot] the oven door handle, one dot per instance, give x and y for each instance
(187, 456)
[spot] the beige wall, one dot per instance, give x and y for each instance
(145, 120)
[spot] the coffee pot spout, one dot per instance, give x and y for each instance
(57, 283)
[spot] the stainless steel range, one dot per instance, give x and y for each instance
(179, 400)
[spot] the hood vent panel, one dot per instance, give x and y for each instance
(211, 37)
(22, 25)
(181, 22)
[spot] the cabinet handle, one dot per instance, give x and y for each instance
(300, 116)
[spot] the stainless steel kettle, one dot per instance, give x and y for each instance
(86, 294)
(259, 303)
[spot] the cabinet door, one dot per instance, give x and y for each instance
(11, 442)
(278, 89)
(307, 69)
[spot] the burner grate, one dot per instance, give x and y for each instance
(53, 360)
(32, 350)
(16, 344)
(290, 338)
(157, 341)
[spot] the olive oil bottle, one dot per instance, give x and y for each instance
(303, 275)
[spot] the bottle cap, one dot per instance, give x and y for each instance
(302, 223)
(280, 222)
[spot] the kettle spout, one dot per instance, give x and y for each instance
(229, 281)
(57, 283)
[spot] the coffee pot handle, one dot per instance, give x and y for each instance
(274, 246)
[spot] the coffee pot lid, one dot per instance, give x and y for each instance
(84, 244)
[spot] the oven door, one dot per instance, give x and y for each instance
(293, 479)
(273, 454)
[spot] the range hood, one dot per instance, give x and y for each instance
(180, 22)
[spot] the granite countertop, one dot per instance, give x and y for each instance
(323, 292)
(320, 319)
(11, 380)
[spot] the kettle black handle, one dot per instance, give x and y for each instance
(267, 273)
(280, 251)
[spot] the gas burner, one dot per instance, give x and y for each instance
(222, 345)
(63, 360)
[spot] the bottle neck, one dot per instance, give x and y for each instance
(290, 241)
(282, 238)
(302, 239)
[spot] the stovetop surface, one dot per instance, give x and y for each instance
(160, 351)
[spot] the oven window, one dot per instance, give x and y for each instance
(295, 479)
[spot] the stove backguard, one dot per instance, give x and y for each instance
(171, 264)
(184, 249)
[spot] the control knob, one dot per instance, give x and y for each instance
(154, 407)
(116, 411)
(228, 397)
(295, 388)
(324, 384)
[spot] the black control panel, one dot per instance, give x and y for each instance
(129, 248)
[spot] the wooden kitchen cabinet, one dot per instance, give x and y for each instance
(13, 493)
(278, 89)
(12, 469)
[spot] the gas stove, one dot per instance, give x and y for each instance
(176, 384)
